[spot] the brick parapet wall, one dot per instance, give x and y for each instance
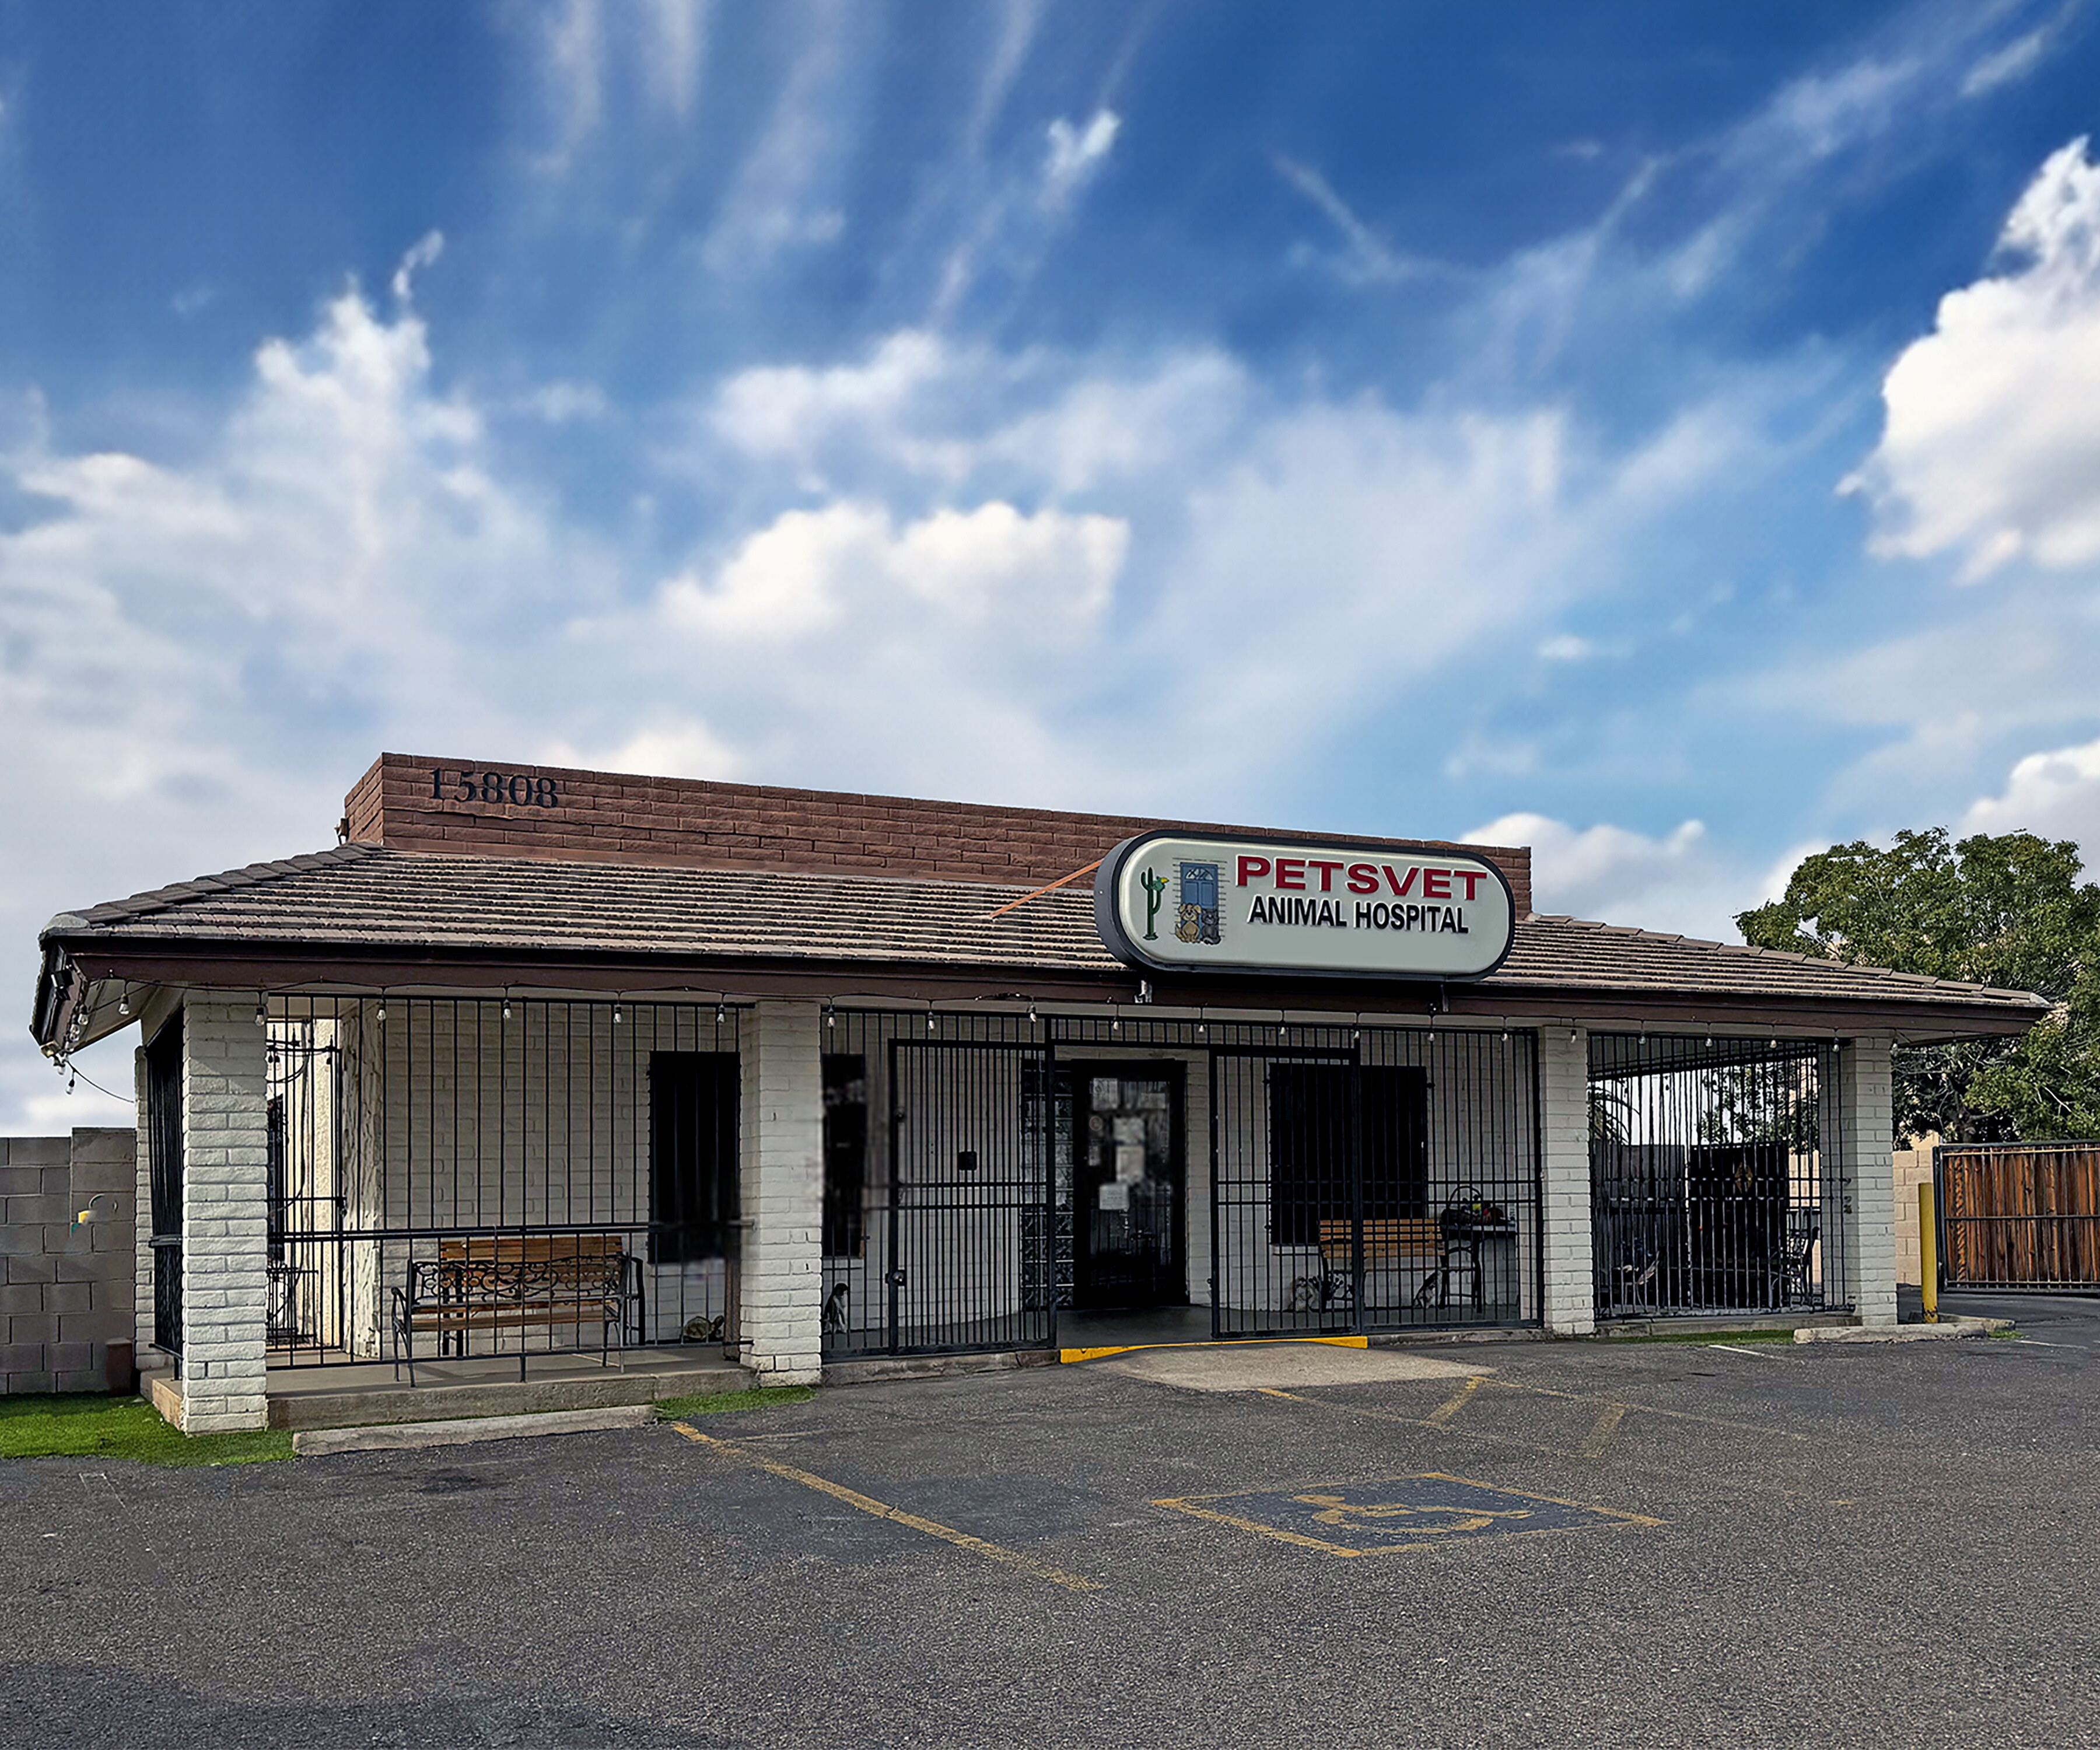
(781, 1123)
(558, 813)
(66, 1291)
(225, 1210)
(1563, 1113)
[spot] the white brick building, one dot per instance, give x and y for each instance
(566, 1076)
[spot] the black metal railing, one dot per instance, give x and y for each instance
(993, 1179)
(533, 1138)
(1717, 1183)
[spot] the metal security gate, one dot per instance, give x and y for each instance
(1374, 1179)
(939, 1224)
(1716, 1185)
(2019, 1215)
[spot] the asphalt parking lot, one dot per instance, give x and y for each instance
(1519, 1544)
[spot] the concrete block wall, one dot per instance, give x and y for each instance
(783, 1187)
(1867, 1145)
(65, 1291)
(1563, 1113)
(225, 1217)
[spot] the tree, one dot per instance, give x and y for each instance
(2008, 910)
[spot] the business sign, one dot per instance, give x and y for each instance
(1178, 904)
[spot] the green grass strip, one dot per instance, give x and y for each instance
(714, 1402)
(91, 1425)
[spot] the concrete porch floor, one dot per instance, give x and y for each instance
(360, 1394)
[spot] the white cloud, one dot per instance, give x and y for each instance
(783, 196)
(1368, 259)
(667, 748)
(196, 660)
(2010, 65)
(566, 403)
(1566, 647)
(1992, 445)
(421, 253)
(1048, 576)
(1679, 882)
(1075, 154)
(790, 410)
(2055, 794)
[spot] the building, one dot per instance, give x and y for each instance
(542, 1062)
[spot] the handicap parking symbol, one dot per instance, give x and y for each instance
(1395, 1513)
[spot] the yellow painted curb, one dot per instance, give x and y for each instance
(1230, 1342)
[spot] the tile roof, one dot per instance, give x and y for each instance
(368, 899)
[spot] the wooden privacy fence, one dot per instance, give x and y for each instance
(2022, 1215)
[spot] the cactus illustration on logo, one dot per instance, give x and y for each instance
(1155, 887)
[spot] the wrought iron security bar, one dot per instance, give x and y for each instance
(1718, 1181)
(453, 1177)
(984, 1174)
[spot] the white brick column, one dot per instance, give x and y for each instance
(142, 1228)
(225, 1215)
(783, 1187)
(1866, 1121)
(1563, 1123)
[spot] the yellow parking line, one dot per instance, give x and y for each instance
(1441, 1417)
(1654, 1409)
(868, 1504)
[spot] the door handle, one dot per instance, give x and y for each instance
(895, 1278)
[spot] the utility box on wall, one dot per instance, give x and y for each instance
(67, 1205)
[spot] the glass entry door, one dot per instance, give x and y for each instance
(1127, 1185)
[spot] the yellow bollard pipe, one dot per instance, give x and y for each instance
(1928, 1252)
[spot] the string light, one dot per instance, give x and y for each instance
(616, 1016)
(721, 1013)
(124, 1004)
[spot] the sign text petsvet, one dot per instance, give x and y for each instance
(1179, 904)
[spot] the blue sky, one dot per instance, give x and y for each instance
(1667, 435)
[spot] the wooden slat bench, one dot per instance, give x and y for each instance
(499, 1282)
(1432, 1244)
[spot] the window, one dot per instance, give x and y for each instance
(1309, 1126)
(845, 1152)
(693, 1098)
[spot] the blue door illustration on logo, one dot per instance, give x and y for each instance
(1197, 919)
